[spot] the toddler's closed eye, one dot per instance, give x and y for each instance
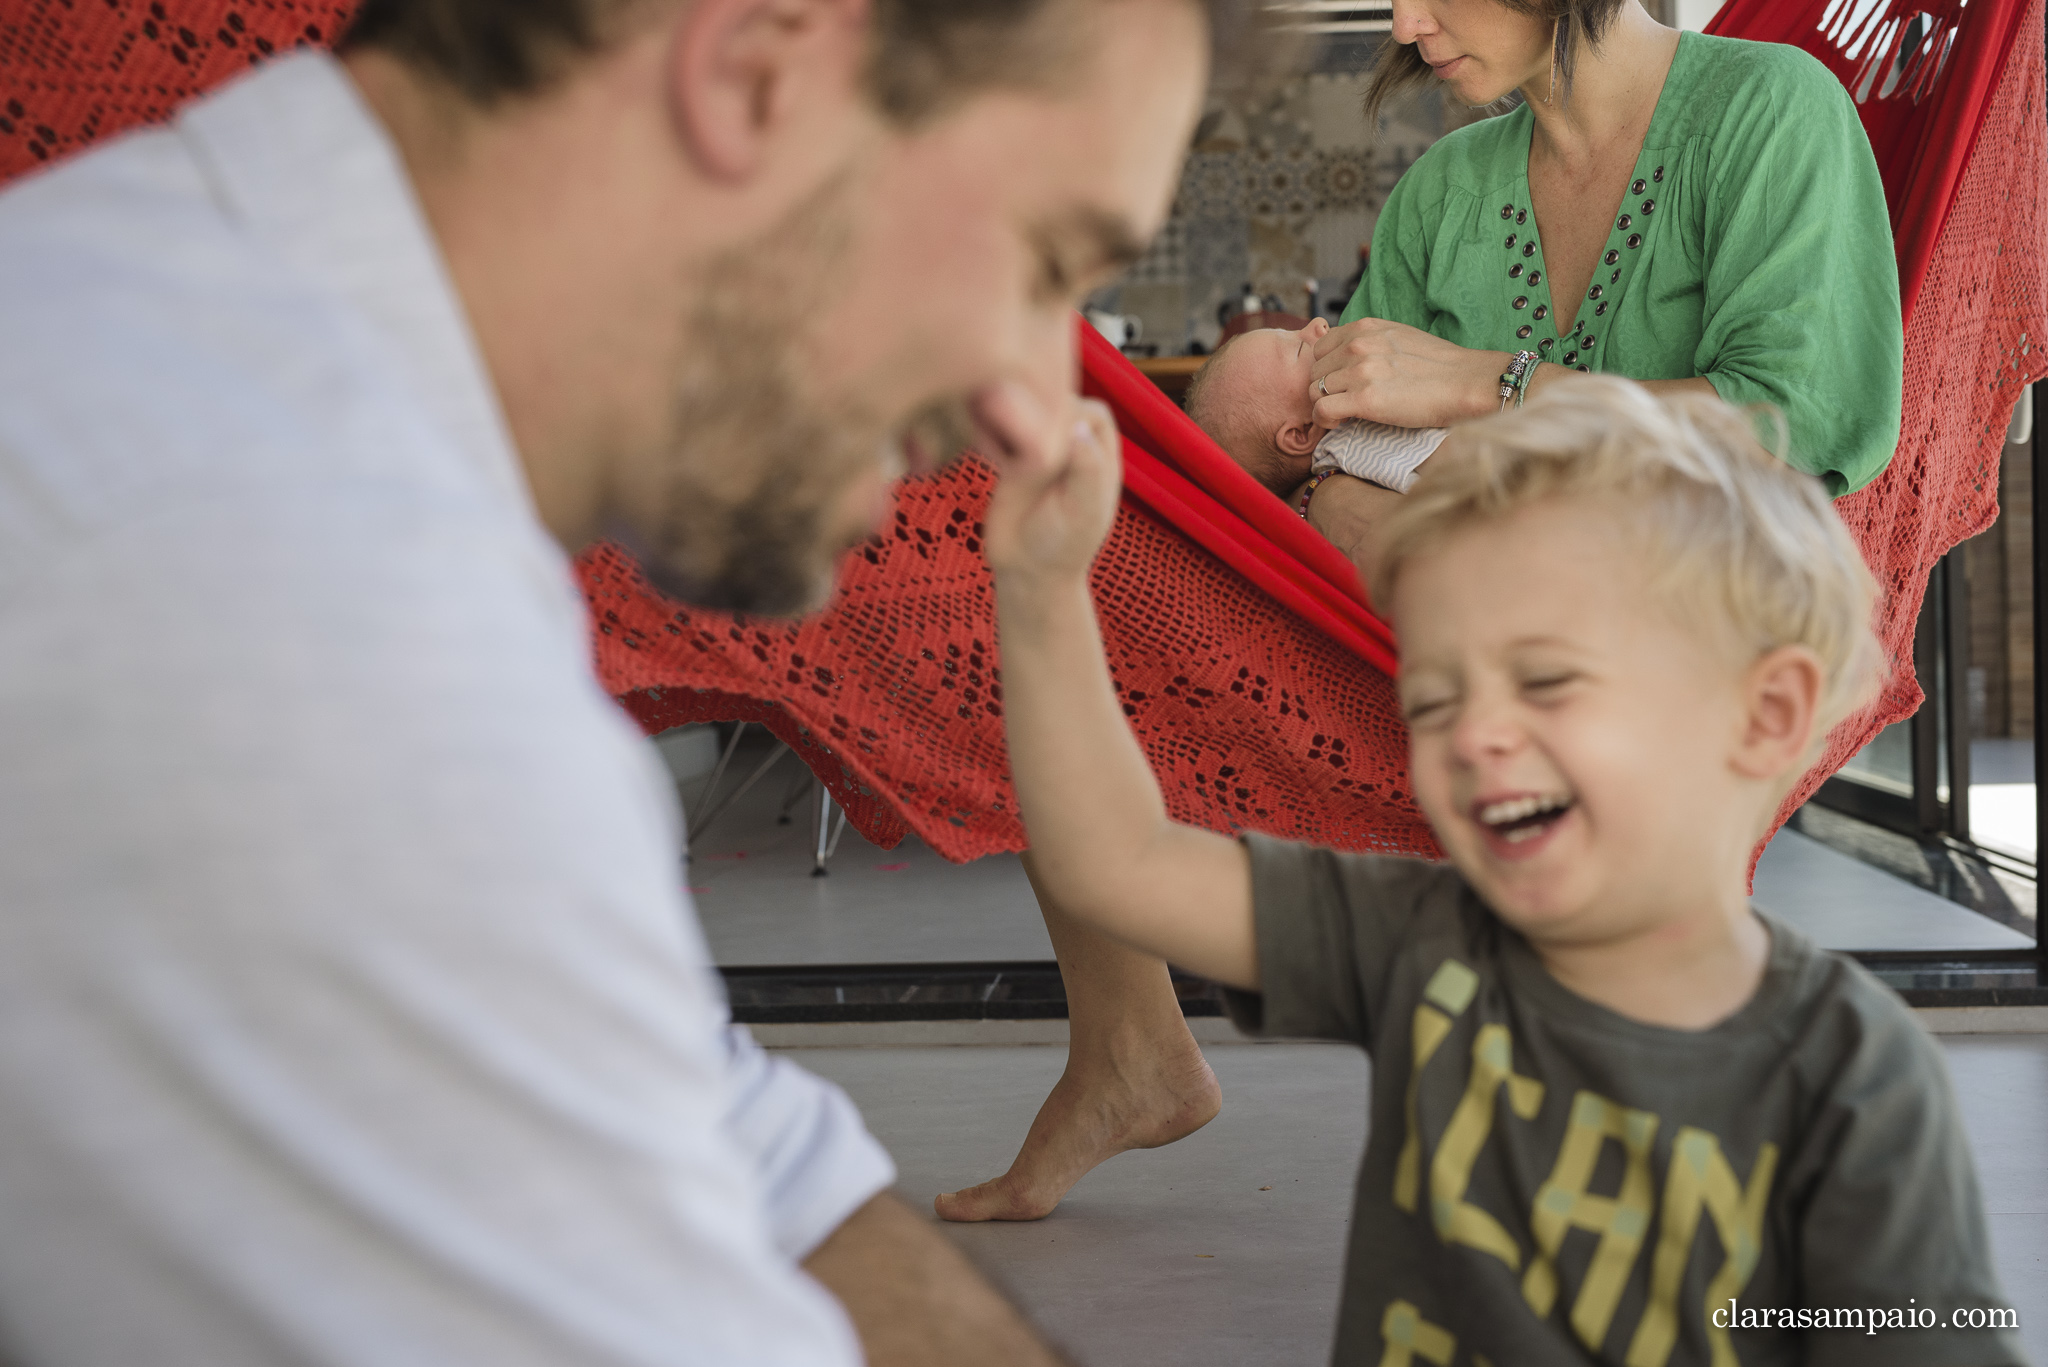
(1420, 711)
(1548, 685)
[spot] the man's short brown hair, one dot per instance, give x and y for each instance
(925, 54)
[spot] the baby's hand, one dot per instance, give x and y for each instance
(1061, 472)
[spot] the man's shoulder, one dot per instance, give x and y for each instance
(155, 349)
(130, 226)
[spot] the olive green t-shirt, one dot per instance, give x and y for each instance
(1548, 1182)
(1753, 247)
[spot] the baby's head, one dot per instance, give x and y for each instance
(1626, 630)
(1252, 399)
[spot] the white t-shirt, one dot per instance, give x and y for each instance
(351, 1008)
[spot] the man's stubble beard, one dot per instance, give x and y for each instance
(757, 462)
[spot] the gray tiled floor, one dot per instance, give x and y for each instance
(1845, 904)
(2002, 1087)
(1116, 1274)
(760, 905)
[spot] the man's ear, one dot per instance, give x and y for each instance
(738, 68)
(1299, 438)
(1781, 693)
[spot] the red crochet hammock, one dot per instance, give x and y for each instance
(1246, 657)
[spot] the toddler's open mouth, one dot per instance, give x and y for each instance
(1522, 818)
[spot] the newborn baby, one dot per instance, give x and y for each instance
(1252, 398)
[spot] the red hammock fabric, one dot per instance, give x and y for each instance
(70, 73)
(1247, 659)
(1254, 715)
(1966, 173)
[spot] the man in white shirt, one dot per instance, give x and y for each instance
(351, 1010)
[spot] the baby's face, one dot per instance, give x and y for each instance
(1270, 368)
(1570, 740)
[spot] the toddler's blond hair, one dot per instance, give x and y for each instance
(1730, 535)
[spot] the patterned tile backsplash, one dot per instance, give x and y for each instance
(1273, 196)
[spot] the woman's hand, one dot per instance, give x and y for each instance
(1061, 470)
(1402, 376)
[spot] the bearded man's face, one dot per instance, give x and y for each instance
(766, 479)
(844, 346)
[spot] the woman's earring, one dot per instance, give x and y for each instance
(1558, 36)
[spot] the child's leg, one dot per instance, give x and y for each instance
(1135, 1077)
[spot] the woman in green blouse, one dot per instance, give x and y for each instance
(1692, 212)
(1688, 211)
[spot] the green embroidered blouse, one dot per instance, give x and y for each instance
(1753, 248)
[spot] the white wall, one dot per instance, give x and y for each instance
(689, 751)
(1693, 14)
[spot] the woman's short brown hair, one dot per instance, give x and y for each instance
(1400, 67)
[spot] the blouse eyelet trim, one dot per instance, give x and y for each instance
(1625, 242)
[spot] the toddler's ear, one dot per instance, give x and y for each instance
(1781, 693)
(1298, 438)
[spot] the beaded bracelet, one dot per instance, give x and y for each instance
(1514, 381)
(1315, 481)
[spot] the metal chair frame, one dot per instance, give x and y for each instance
(823, 808)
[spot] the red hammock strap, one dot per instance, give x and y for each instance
(1158, 424)
(1174, 468)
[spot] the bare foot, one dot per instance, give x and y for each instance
(1099, 1108)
